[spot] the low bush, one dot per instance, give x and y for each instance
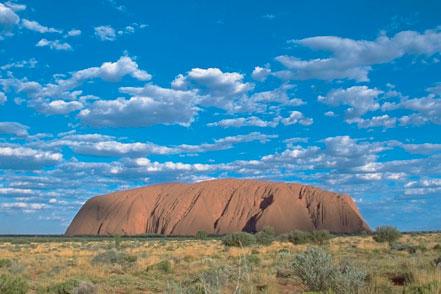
(164, 266)
(201, 235)
(404, 247)
(301, 237)
(5, 263)
(114, 256)
(386, 234)
(72, 286)
(240, 239)
(266, 236)
(316, 270)
(12, 285)
(429, 288)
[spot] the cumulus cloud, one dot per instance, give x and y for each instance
(296, 117)
(219, 89)
(361, 100)
(7, 16)
(152, 105)
(61, 96)
(353, 59)
(261, 73)
(13, 128)
(113, 71)
(105, 33)
(61, 107)
(54, 45)
(384, 121)
(17, 157)
(36, 27)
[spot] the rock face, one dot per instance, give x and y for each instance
(217, 207)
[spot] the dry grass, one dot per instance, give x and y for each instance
(193, 264)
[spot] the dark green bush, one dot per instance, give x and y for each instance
(239, 239)
(12, 285)
(266, 236)
(163, 266)
(5, 262)
(386, 234)
(301, 237)
(114, 256)
(201, 235)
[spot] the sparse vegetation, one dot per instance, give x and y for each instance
(186, 265)
(114, 256)
(386, 234)
(12, 285)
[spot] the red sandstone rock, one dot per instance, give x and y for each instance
(217, 207)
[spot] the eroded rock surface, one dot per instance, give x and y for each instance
(217, 207)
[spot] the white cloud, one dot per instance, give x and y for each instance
(114, 71)
(74, 33)
(61, 107)
(296, 117)
(261, 73)
(61, 96)
(353, 59)
(251, 121)
(219, 89)
(361, 100)
(152, 105)
(36, 27)
(384, 121)
(30, 63)
(7, 16)
(3, 98)
(423, 187)
(105, 33)
(54, 45)
(15, 157)
(13, 128)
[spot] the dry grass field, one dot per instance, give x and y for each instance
(136, 265)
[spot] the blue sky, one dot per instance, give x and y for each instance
(97, 96)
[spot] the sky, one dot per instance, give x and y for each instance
(104, 95)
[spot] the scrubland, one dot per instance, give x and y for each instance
(342, 264)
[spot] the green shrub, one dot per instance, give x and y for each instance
(72, 286)
(317, 271)
(163, 266)
(201, 235)
(239, 239)
(437, 247)
(12, 285)
(386, 234)
(114, 256)
(320, 236)
(429, 288)
(266, 236)
(5, 262)
(298, 237)
(404, 247)
(301, 237)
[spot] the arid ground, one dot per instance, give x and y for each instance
(154, 265)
